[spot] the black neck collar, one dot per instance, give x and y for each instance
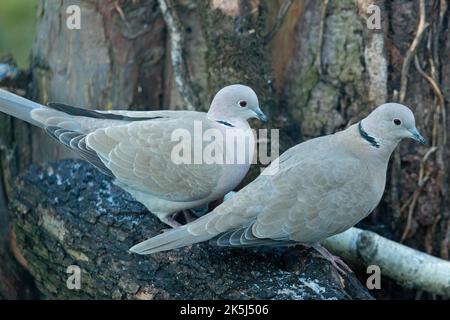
(225, 123)
(373, 142)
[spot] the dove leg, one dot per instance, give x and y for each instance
(170, 220)
(193, 214)
(189, 216)
(334, 260)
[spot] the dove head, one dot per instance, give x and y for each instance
(388, 124)
(235, 103)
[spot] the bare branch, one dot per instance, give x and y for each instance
(408, 267)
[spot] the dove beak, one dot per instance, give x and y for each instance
(261, 116)
(417, 136)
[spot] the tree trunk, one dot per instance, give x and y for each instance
(315, 66)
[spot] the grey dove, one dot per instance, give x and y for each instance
(322, 187)
(135, 147)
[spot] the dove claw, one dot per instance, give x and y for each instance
(336, 261)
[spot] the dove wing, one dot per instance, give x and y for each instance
(316, 199)
(313, 196)
(81, 120)
(139, 155)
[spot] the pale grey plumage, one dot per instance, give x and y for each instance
(322, 187)
(134, 147)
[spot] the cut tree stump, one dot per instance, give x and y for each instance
(68, 213)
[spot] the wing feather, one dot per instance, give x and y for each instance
(139, 155)
(311, 197)
(76, 142)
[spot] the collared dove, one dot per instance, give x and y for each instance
(135, 147)
(322, 187)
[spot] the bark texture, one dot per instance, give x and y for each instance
(16, 282)
(115, 61)
(83, 219)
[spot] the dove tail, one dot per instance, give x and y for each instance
(172, 239)
(18, 107)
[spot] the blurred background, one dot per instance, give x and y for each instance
(17, 29)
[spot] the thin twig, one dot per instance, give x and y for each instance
(279, 20)
(421, 182)
(180, 70)
(423, 25)
(434, 79)
(434, 85)
(410, 215)
(428, 243)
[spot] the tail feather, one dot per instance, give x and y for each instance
(172, 239)
(18, 107)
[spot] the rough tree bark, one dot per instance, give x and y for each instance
(315, 66)
(16, 283)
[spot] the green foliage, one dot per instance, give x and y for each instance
(17, 29)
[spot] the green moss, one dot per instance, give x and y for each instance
(27, 227)
(236, 51)
(307, 80)
(320, 101)
(41, 82)
(17, 29)
(320, 114)
(40, 251)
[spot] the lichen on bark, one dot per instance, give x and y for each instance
(324, 97)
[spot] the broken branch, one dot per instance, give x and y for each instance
(408, 267)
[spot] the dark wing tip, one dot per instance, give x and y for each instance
(76, 141)
(83, 112)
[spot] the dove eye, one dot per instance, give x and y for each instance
(397, 122)
(243, 103)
